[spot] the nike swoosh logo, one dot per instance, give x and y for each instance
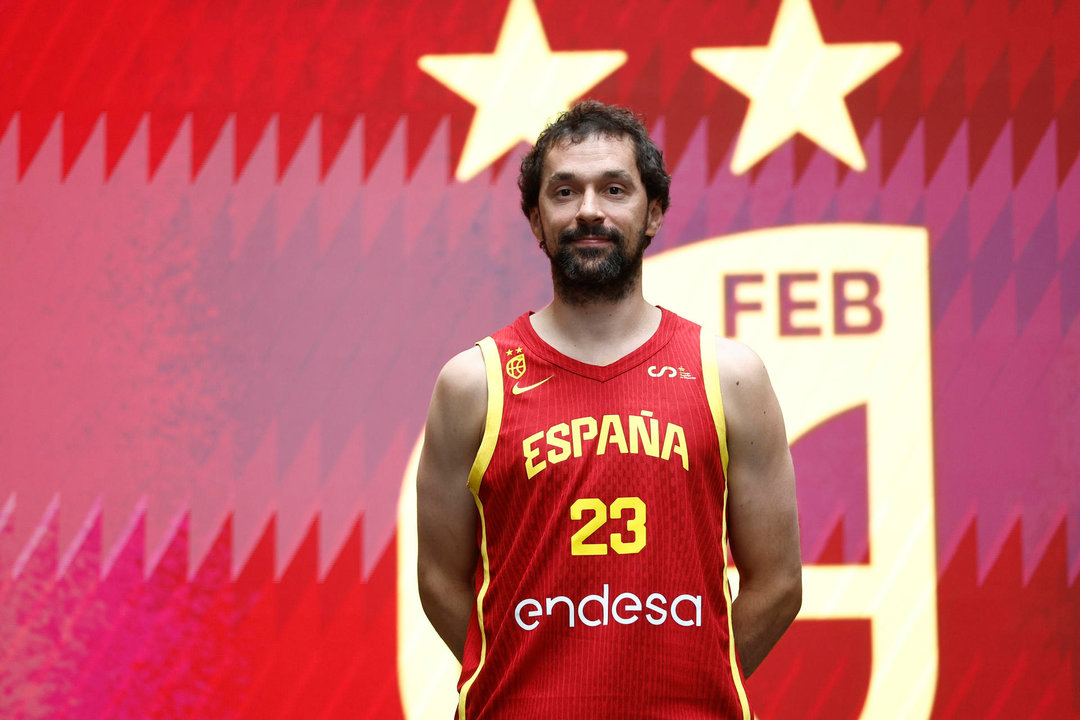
(518, 390)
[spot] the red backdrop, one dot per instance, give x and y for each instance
(236, 247)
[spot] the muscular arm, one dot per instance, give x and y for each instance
(763, 524)
(445, 510)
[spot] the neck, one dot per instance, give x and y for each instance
(598, 331)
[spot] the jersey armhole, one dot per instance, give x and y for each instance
(710, 371)
(492, 422)
(493, 419)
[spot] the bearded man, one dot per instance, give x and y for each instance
(586, 468)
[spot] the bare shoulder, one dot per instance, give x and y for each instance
(463, 378)
(737, 356)
(750, 405)
(459, 403)
(742, 372)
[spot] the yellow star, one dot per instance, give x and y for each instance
(518, 87)
(797, 84)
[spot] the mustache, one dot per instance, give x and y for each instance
(582, 231)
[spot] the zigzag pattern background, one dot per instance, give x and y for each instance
(176, 643)
(262, 409)
(124, 644)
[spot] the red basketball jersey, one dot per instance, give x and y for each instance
(601, 588)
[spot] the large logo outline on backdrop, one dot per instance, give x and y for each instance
(871, 347)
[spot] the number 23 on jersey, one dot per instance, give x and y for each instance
(629, 509)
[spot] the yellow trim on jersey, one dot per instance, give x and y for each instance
(479, 611)
(493, 372)
(710, 371)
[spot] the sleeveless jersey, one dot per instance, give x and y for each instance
(601, 589)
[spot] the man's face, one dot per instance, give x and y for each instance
(594, 217)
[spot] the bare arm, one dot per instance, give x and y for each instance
(762, 514)
(445, 510)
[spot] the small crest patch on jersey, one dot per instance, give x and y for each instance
(515, 366)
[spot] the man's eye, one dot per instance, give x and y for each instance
(563, 192)
(615, 190)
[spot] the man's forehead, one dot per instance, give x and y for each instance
(604, 153)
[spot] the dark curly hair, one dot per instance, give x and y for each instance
(587, 119)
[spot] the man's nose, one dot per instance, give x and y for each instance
(590, 210)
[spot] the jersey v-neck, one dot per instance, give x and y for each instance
(601, 373)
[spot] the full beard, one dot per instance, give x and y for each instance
(606, 273)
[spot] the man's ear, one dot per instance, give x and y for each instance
(536, 225)
(655, 218)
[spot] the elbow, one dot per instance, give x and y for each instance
(439, 590)
(428, 586)
(781, 593)
(431, 588)
(792, 595)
